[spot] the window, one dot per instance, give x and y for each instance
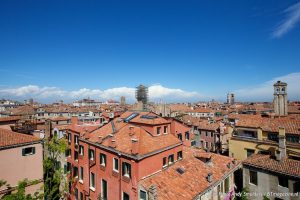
(81, 174)
(102, 159)
(248, 134)
(206, 134)
(283, 181)
(28, 151)
(125, 196)
(250, 152)
(296, 187)
(92, 181)
(143, 195)
(179, 136)
(69, 137)
(76, 194)
(165, 129)
(76, 139)
(179, 155)
(171, 159)
(193, 143)
(164, 161)
(253, 177)
(68, 167)
(116, 164)
(75, 172)
(126, 169)
(187, 135)
(81, 150)
(91, 154)
(75, 155)
(55, 133)
(104, 189)
(292, 138)
(81, 196)
(273, 137)
(65, 169)
(158, 130)
(227, 185)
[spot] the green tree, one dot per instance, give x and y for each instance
(265, 198)
(244, 193)
(53, 173)
(20, 194)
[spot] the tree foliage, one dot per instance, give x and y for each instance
(20, 194)
(53, 174)
(244, 193)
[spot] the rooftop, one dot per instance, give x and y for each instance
(187, 178)
(9, 138)
(286, 166)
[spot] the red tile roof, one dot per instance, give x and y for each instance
(286, 166)
(11, 118)
(172, 185)
(146, 142)
(8, 138)
(292, 126)
(205, 125)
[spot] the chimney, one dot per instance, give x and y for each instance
(74, 120)
(209, 177)
(281, 152)
(131, 130)
(100, 139)
(135, 146)
(111, 141)
(152, 193)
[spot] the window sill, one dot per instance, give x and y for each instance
(102, 167)
(126, 178)
(93, 189)
(80, 181)
(252, 184)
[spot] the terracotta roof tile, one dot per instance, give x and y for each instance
(8, 138)
(172, 185)
(287, 166)
(11, 118)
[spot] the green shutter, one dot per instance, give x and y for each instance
(23, 152)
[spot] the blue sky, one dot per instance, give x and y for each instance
(183, 50)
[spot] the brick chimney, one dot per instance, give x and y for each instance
(131, 130)
(209, 177)
(113, 143)
(74, 120)
(281, 152)
(100, 139)
(152, 193)
(135, 146)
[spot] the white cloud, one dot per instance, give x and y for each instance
(264, 91)
(291, 19)
(156, 92)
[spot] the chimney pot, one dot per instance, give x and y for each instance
(135, 146)
(210, 177)
(131, 130)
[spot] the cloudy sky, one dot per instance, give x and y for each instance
(182, 50)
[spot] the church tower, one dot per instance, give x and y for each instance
(280, 98)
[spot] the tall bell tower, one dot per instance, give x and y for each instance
(280, 98)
